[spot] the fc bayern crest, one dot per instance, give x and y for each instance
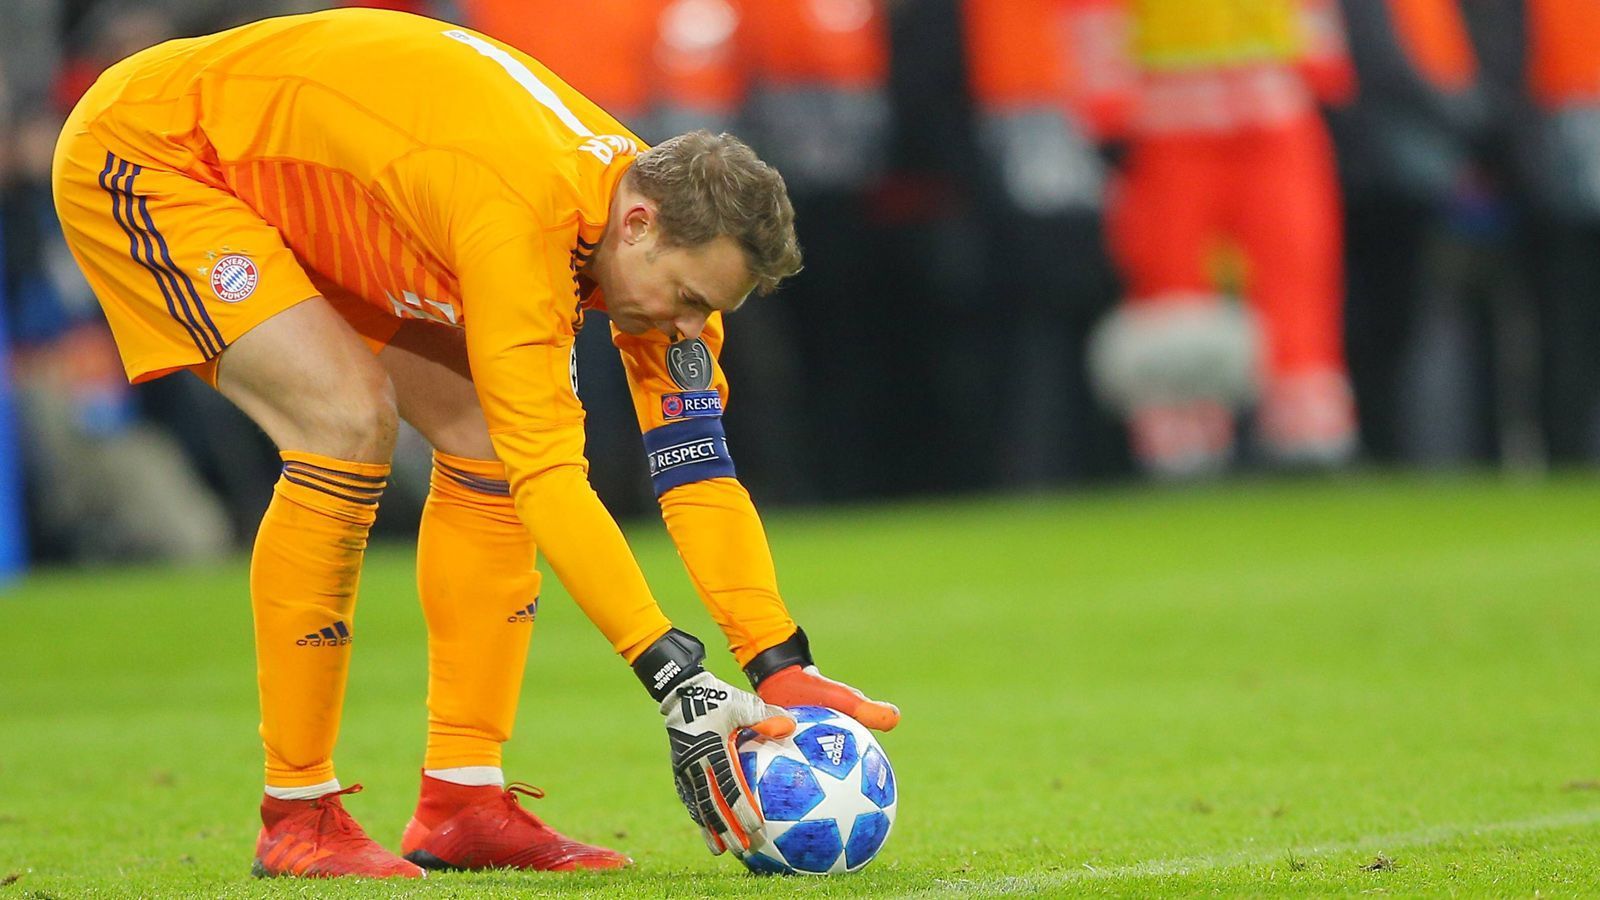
(689, 364)
(234, 277)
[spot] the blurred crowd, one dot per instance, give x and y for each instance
(1047, 241)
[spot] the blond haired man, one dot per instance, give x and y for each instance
(347, 218)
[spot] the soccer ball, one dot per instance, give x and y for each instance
(827, 794)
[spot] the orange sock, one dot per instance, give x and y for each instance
(479, 593)
(303, 579)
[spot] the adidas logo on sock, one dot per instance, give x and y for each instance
(335, 635)
(526, 613)
(833, 746)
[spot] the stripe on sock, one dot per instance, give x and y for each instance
(473, 482)
(349, 486)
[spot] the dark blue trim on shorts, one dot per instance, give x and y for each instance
(207, 346)
(188, 284)
(685, 452)
(133, 243)
(175, 285)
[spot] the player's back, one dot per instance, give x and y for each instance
(369, 139)
(352, 89)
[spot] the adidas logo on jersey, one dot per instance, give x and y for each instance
(336, 635)
(833, 746)
(697, 701)
(526, 613)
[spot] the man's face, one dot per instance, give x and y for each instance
(672, 289)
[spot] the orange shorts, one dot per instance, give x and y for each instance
(182, 268)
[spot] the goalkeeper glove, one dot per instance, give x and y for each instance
(704, 715)
(786, 675)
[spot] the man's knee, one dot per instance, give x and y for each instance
(358, 421)
(311, 383)
(428, 367)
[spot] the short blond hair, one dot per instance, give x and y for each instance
(706, 185)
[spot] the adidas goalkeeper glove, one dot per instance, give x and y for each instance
(785, 674)
(704, 715)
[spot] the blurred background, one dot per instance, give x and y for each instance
(1049, 242)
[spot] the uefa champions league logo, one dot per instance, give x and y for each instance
(689, 364)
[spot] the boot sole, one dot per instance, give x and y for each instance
(428, 861)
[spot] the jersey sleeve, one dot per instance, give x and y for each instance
(520, 302)
(679, 393)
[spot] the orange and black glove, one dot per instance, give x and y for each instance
(785, 674)
(704, 716)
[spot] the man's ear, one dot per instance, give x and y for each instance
(637, 222)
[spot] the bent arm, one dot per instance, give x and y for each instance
(519, 343)
(679, 394)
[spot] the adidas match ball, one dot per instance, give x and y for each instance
(827, 794)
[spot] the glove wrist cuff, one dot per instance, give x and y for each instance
(796, 651)
(674, 658)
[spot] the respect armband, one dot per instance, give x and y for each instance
(688, 451)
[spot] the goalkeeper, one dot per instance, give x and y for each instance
(346, 218)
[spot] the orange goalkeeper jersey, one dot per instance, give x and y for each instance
(438, 174)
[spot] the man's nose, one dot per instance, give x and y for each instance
(690, 325)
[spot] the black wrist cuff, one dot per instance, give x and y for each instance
(675, 657)
(796, 651)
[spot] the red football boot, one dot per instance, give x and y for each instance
(318, 839)
(485, 827)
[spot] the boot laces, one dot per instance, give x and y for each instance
(515, 805)
(333, 818)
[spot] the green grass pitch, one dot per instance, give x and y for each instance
(1336, 687)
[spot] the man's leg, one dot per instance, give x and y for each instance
(141, 234)
(1286, 213)
(475, 561)
(479, 593)
(1164, 226)
(308, 380)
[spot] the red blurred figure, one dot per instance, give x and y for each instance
(1225, 146)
